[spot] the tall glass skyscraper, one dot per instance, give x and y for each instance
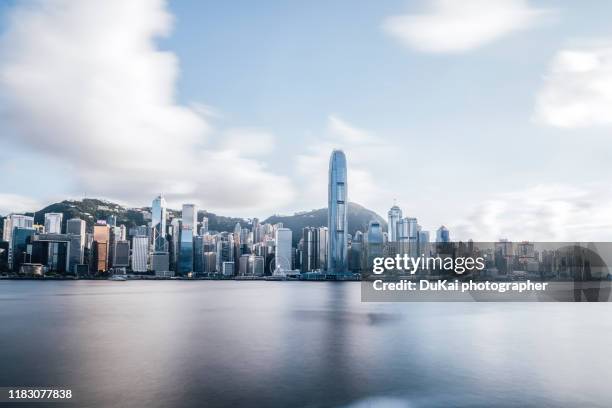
(336, 214)
(158, 224)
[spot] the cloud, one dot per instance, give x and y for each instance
(15, 203)
(363, 151)
(84, 82)
(451, 26)
(577, 91)
(250, 142)
(546, 212)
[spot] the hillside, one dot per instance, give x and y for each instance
(358, 218)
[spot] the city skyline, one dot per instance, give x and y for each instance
(252, 99)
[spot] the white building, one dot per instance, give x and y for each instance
(282, 256)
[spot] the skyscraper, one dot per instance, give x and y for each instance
(158, 224)
(283, 257)
(187, 228)
(336, 214)
(442, 235)
(10, 223)
(394, 215)
(101, 237)
(140, 244)
(53, 223)
(76, 228)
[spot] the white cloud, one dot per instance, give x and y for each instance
(364, 152)
(15, 203)
(451, 26)
(84, 82)
(250, 142)
(577, 91)
(555, 212)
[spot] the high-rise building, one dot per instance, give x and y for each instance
(101, 238)
(243, 267)
(21, 246)
(204, 226)
(10, 223)
(283, 255)
(323, 243)
(140, 253)
(424, 243)
(158, 224)
(374, 238)
(395, 215)
(310, 249)
(407, 236)
(122, 254)
(190, 217)
(227, 268)
(187, 231)
(76, 227)
(53, 223)
(442, 235)
(337, 214)
(52, 251)
(258, 265)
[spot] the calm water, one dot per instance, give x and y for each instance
(302, 344)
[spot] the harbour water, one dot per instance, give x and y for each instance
(297, 344)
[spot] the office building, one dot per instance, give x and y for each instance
(101, 242)
(283, 256)
(337, 214)
(140, 253)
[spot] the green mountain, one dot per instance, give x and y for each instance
(91, 209)
(358, 218)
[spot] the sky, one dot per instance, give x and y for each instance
(492, 117)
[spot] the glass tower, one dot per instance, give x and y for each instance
(158, 224)
(336, 214)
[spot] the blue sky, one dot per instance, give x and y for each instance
(466, 115)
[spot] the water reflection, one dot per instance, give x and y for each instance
(288, 344)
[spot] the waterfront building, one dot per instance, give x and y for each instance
(158, 224)
(337, 214)
(140, 253)
(101, 241)
(283, 257)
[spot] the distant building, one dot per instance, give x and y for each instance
(259, 265)
(122, 254)
(243, 268)
(160, 264)
(76, 228)
(227, 268)
(442, 235)
(140, 253)
(52, 251)
(10, 223)
(53, 223)
(283, 250)
(158, 224)
(101, 242)
(394, 217)
(21, 246)
(374, 247)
